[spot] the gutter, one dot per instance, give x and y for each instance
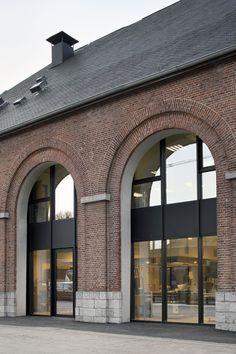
(161, 76)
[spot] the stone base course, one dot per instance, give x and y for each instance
(226, 311)
(7, 304)
(98, 306)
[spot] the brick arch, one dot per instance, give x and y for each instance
(172, 120)
(221, 147)
(197, 117)
(23, 169)
(39, 145)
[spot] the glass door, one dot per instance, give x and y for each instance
(64, 282)
(41, 304)
(182, 280)
(147, 281)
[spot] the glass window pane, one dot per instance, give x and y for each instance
(64, 285)
(41, 188)
(181, 168)
(209, 277)
(64, 194)
(39, 212)
(149, 166)
(41, 282)
(146, 195)
(147, 281)
(207, 156)
(209, 185)
(182, 280)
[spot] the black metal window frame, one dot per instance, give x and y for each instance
(162, 178)
(52, 200)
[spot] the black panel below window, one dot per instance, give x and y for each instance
(208, 217)
(180, 219)
(39, 236)
(146, 224)
(63, 233)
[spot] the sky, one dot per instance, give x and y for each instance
(26, 24)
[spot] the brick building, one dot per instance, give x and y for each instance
(118, 175)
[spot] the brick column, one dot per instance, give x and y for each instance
(93, 302)
(7, 299)
(226, 296)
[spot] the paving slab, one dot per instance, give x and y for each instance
(31, 335)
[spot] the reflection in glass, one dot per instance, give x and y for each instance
(147, 280)
(39, 212)
(207, 156)
(64, 282)
(209, 185)
(209, 277)
(149, 166)
(41, 188)
(41, 282)
(64, 194)
(181, 168)
(146, 195)
(182, 280)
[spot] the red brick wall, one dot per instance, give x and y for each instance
(95, 144)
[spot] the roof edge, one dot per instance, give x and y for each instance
(177, 70)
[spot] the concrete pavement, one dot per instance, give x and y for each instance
(41, 336)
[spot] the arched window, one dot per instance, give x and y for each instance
(51, 244)
(173, 232)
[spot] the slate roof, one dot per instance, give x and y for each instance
(180, 34)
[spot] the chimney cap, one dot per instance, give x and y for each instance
(62, 37)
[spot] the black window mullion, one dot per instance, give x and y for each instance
(53, 255)
(164, 281)
(163, 172)
(146, 180)
(163, 202)
(199, 197)
(40, 200)
(53, 282)
(132, 285)
(207, 169)
(52, 194)
(200, 282)
(75, 256)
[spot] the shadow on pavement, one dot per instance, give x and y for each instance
(172, 331)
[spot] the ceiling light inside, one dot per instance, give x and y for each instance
(137, 195)
(174, 147)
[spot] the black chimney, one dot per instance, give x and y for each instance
(62, 47)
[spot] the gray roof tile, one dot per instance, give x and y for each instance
(183, 32)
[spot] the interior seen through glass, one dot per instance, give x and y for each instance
(182, 262)
(41, 282)
(149, 165)
(51, 243)
(182, 280)
(147, 280)
(64, 194)
(64, 282)
(209, 277)
(181, 168)
(180, 172)
(177, 170)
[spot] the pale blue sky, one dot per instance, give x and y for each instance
(25, 25)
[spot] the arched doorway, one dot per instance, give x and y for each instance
(51, 244)
(173, 233)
